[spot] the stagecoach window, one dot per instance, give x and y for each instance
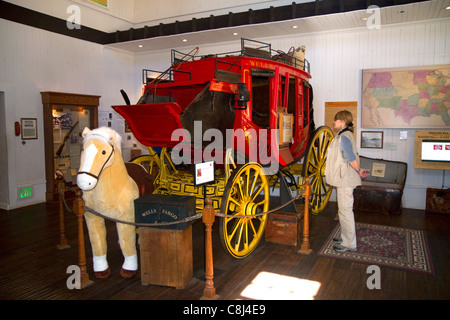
(291, 101)
(260, 101)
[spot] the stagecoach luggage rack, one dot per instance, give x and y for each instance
(160, 208)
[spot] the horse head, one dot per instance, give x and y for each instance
(99, 146)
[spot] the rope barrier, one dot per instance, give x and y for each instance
(159, 224)
(137, 224)
(187, 219)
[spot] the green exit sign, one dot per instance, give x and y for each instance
(25, 192)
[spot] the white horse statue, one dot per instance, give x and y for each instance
(109, 190)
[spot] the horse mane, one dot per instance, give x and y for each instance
(105, 133)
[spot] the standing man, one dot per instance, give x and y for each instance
(343, 172)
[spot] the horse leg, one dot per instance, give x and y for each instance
(97, 236)
(127, 241)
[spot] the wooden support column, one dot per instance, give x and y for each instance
(212, 24)
(78, 209)
(251, 16)
(60, 186)
(305, 247)
(271, 14)
(230, 19)
(209, 293)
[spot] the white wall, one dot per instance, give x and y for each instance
(33, 60)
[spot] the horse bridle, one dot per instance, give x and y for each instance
(103, 166)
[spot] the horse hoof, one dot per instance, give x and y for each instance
(103, 274)
(127, 274)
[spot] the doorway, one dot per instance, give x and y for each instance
(4, 185)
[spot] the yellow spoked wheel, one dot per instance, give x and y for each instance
(246, 194)
(314, 168)
(148, 161)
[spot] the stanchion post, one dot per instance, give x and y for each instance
(305, 247)
(78, 209)
(209, 293)
(60, 186)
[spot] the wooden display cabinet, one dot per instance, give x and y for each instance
(72, 108)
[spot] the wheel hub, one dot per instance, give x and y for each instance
(249, 209)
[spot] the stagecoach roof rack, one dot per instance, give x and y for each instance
(249, 48)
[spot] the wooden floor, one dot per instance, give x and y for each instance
(32, 268)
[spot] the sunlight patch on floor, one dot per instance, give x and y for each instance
(273, 286)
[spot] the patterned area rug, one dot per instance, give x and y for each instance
(385, 246)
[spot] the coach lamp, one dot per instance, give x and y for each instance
(242, 96)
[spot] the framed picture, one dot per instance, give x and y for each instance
(29, 128)
(103, 3)
(372, 139)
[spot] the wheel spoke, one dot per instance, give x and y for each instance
(255, 178)
(236, 224)
(237, 203)
(256, 193)
(239, 237)
(253, 227)
(247, 183)
(240, 189)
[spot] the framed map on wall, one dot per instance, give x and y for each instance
(101, 2)
(415, 97)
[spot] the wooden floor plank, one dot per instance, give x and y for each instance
(32, 268)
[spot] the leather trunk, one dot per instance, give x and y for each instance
(284, 228)
(382, 190)
(438, 201)
(377, 199)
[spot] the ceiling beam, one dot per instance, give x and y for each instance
(11, 12)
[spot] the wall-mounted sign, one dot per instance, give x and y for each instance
(25, 192)
(29, 128)
(432, 149)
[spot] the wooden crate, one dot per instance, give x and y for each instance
(166, 256)
(438, 201)
(284, 228)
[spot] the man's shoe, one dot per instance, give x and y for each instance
(337, 240)
(341, 248)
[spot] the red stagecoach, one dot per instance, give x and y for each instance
(255, 92)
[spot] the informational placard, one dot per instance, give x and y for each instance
(203, 173)
(331, 108)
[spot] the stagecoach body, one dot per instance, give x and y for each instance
(252, 92)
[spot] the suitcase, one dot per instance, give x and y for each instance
(284, 228)
(438, 201)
